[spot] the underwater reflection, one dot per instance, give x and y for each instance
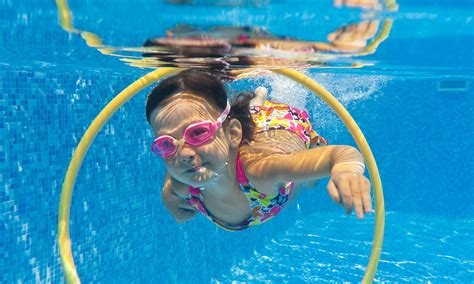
(257, 3)
(365, 4)
(231, 51)
(236, 52)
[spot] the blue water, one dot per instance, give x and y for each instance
(52, 85)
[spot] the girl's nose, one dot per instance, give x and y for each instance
(186, 153)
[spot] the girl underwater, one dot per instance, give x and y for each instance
(238, 163)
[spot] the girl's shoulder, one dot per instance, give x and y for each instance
(255, 150)
(253, 165)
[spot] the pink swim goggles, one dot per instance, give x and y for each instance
(195, 134)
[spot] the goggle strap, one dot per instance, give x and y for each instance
(224, 114)
(179, 142)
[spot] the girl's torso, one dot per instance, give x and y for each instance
(235, 207)
(280, 129)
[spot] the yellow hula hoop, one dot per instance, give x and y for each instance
(359, 138)
(64, 240)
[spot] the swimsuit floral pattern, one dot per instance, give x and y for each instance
(273, 115)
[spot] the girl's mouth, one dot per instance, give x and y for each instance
(197, 169)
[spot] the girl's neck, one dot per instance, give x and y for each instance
(226, 184)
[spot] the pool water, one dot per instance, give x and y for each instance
(412, 97)
(317, 249)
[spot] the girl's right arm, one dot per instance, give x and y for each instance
(178, 207)
(344, 164)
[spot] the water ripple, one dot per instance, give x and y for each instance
(329, 247)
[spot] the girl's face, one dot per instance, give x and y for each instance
(193, 165)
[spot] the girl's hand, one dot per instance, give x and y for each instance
(351, 190)
(176, 204)
(365, 4)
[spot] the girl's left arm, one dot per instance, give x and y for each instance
(344, 164)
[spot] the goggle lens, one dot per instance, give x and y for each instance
(199, 134)
(163, 146)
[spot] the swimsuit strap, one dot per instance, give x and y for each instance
(240, 173)
(195, 199)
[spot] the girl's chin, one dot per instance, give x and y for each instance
(203, 176)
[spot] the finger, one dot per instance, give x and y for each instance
(184, 204)
(372, 30)
(165, 193)
(332, 191)
(344, 189)
(184, 214)
(368, 4)
(178, 194)
(347, 33)
(361, 28)
(332, 37)
(357, 197)
(366, 195)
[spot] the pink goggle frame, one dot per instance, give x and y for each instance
(195, 134)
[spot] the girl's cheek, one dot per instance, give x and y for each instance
(209, 150)
(169, 164)
(219, 147)
(217, 155)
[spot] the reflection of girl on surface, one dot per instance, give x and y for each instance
(239, 52)
(219, 41)
(238, 164)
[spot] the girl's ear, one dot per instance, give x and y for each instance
(234, 133)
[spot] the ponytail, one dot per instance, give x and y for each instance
(240, 110)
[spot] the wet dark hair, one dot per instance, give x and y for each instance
(209, 87)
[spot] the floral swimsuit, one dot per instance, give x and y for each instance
(264, 207)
